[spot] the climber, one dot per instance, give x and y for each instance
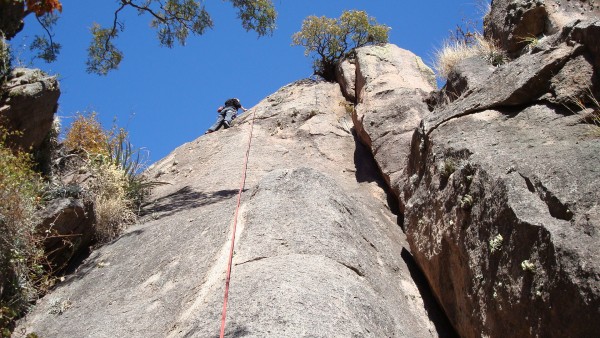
(226, 114)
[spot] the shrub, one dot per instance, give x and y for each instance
(113, 208)
(454, 51)
(5, 65)
(331, 39)
(22, 258)
(86, 133)
(117, 186)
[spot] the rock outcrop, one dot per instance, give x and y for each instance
(500, 192)
(515, 24)
(28, 103)
(497, 189)
(318, 251)
(69, 223)
(391, 87)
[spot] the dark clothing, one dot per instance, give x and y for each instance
(234, 103)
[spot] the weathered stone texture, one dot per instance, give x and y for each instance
(28, 103)
(503, 220)
(70, 226)
(318, 252)
(512, 22)
(391, 86)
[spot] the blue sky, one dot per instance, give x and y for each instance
(166, 97)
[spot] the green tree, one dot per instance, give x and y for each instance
(173, 20)
(329, 40)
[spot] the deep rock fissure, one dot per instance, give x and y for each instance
(435, 311)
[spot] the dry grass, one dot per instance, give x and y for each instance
(452, 52)
(113, 208)
(589, 113)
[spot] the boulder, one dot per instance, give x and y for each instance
(391, 86)
(586, 33)
(513, 23)
(11, 18)
(520, 82)
(317, 252)
(469, 73)
(502, 207)
(69, 225)
(28, 103)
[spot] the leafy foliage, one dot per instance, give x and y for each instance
(103, 56)
(256, 15)
(42, 7)
(174, 21)
(45, 46)
(331, 39)
(118, 186)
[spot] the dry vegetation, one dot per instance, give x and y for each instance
(589, 111)
(454, 51)
(99, 166)
(113, 180)
(22, 258)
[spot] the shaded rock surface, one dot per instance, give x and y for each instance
(318, 251)
(503, 219)
(70, 225)
(28, 103)
(11, 17)
(514, 23)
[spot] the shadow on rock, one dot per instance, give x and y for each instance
(184, 199)
(368, 171)
(434, 311)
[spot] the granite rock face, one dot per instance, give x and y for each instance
(499, 191)
(28, 103)
(391, 86)
(318, 251)
(499, 187)
(503, 219)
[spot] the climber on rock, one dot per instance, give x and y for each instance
(227, 113)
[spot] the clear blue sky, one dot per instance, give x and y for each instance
(166, 97)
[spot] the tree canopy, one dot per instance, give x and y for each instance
(173, 20)
(329, 40)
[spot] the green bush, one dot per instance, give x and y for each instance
(331, 39)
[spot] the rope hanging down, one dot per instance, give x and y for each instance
(237, 209)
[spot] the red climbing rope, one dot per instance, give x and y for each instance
(237, 209)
